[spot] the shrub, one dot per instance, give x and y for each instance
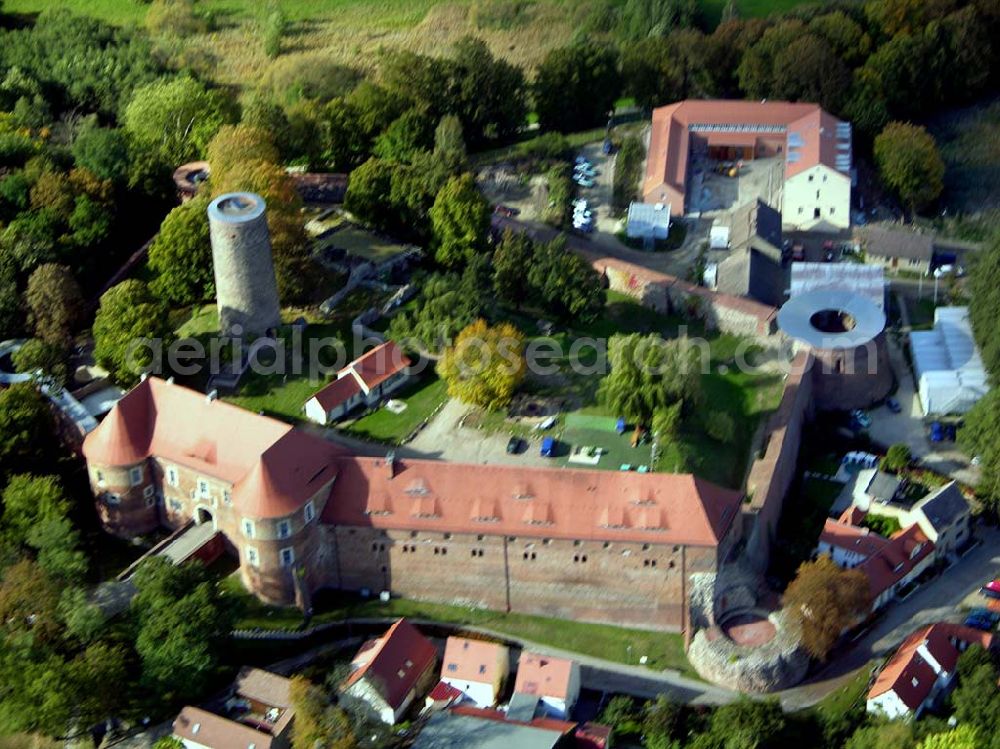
(560, 195)
(720, 426)
(628, 171)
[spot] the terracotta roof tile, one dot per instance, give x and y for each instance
(896, 559)
(475, 661)
(852, 538)
(274, 468)
(563, 503)
(337, 392)
(543, 676)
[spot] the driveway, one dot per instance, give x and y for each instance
(445, 439)
(908, 427)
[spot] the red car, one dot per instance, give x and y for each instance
(991, 589)
(506, 211)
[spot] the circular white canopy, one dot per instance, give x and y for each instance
(798, 319)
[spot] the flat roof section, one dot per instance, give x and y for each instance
(831, 319)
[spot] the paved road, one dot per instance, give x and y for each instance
(933, 602)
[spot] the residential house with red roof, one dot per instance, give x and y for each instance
(389, 672)
(363, 382)
(922, 669)
(477, 668)
(814, 149)
(304, 514)
(553, 682)
(256, 712)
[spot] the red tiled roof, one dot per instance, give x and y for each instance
(543, 676)
(896, 559)
(394, 663)
(274, 468)
(669, 147)
(364, 373)
(505, 500)
(910, 676)
(853, 515)
(337, 392)
(443, 692)
(851, 538)
(379, 364)
(472, 660)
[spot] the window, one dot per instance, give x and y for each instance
(175, 505)
(817, 195)
(287, 556)
(203, 488)
(111, 499)
(227, 497)
(135, 476)
(248, 528)
(252, 556)
(150, 500)
(172, 478)
(810, 178)
(149, 491)
(832, 210)
(816, 212)
(309, 512)
(824, 178)
(284, 528)
(800, 209)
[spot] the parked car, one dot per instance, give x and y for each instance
(548, 447)
(585, 182)
(863, 419)
(978, 622)
(585, 171)
(984, 613)
(950, 432)
(514, 445)
(893, 405)
(607, 147)
(991, 589)
(505, 210)
(582, 160)
(937, 432)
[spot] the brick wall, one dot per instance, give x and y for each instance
(620, 583)
(771, 475)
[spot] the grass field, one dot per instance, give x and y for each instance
(362, 243)
(422, 398)
(662, 650)
(353, 31)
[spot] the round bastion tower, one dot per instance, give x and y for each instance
(245, 286)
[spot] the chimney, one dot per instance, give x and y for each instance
(390, 463)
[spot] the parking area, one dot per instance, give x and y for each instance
(909, 426)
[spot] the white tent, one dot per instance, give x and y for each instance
(648, 221)
(946, 364)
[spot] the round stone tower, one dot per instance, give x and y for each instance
(245, 286)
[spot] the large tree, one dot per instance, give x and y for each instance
(460, 222)
(824, 600)
(576, 87)
(485, 365)
(30, 500)
(128, 322)
(910, 164)
(445, 304)
(319, 723)
(744, 724)
(984, 305)
(25, 427)
(649, 374)
(176, 118)
(181, 254)
(54, 302)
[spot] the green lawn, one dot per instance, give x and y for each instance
(421, 398)
(662, 649)
(362, 243)
(849, 697)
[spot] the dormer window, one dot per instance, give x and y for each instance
(309, 512)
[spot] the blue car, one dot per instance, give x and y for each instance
(937, 432)
(548, 447)
(978, 622)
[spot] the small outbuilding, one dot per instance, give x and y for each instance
(365, 381)
(648, 221)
